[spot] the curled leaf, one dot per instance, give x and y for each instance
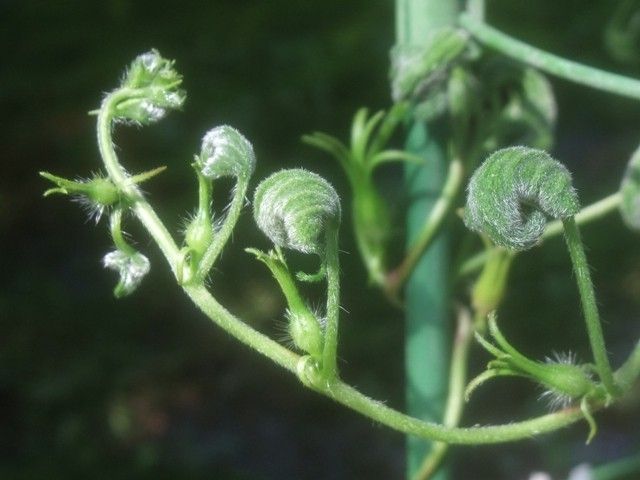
(294, 207)
(515, 190)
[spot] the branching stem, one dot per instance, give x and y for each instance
(333, 388)
(221, 236)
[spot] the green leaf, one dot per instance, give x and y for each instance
(388, 156)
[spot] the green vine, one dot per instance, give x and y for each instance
(511, 198)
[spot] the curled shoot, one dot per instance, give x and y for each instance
(299, 210)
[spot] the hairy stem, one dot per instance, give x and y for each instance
(120, 178)
(330, 350)
(271, 349)
(589, 306)
(116, 232)
(549, 63)
(221, 236)
(240, 330)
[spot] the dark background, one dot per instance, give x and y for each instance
(91, 387)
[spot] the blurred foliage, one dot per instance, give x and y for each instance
(146, 386)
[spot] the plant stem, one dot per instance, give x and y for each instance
(119, 177)
(552, 64)
(589, 306)
(271, 349)
(116, 232)
(222, 235)
(350, 397)
(396, 279)
(455, 400)
(592, 212)
(240, 330)
(330, 350)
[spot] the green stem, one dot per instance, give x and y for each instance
(552, 64)
(330, 350)
(335, 389)
(455, 400)
(595, 211)
(435, 219)
(221, 236)
(240, 330)
(116, 233)
(589, 306)
(350, 397)
(119, 177)
(378, 411)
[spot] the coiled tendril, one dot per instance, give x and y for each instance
(511, 195)
(293, 208)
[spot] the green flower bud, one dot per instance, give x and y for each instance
(306, 332)
(226, 153)
(154, 86)
(198, 235)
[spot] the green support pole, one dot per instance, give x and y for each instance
(428, 331)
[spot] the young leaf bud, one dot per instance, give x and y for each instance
(132, 267)
(226, 153)
(154, 86)
(198, 235)
(306, 332)
(294, 207)
(511, 195)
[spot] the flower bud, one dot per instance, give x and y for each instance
(306, 332)
(226, 153)
(153, 83)
(131, 267)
